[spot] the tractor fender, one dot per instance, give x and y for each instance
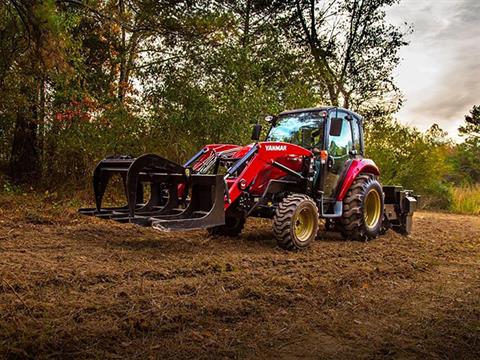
(356, 167)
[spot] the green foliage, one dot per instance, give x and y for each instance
(410, 158)
(213, 94)
(471, 128)
(466, 157)
(83, 80)
(466, 199)
(10, 188)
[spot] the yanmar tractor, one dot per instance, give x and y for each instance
(309, 166)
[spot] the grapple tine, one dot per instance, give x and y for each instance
(103, 172)
(205, 209)
(146, 163)
(163, 175)
(100, 181)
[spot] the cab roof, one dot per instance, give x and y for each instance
(320, 108)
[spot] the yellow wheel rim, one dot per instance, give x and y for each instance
(304, 224)
(372, 208)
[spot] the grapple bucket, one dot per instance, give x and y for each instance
(178, 201)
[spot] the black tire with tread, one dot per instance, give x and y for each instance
(283, 221)
(233, 227)
(353, 225)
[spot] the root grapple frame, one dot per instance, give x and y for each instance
(167, 207)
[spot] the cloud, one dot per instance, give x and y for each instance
(440, 72)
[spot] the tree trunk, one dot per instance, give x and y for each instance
(245, 44)
(325, 72)
(123, 56)
(132, 54)
(41, 118)
(246, 25)
(24, 160)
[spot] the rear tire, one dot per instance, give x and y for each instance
(363, 209)
(295, 223)
(233, 227)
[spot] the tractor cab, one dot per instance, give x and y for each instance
(333, 134)
(306, 127)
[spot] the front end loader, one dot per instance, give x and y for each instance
(310, 166)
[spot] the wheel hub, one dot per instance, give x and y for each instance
(372, 208)
(304, 224)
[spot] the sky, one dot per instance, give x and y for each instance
(439, 74)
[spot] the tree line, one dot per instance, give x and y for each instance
(81, 79)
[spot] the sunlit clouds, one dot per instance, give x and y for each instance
(440, 71)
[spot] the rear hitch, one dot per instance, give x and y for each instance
(399, 208)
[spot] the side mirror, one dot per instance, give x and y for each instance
(336, 125)
(270, 118)
(256, 131)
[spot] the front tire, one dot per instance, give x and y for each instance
(295, 223)
(233, 227)
(363, 209)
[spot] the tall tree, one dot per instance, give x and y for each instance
(471, 127)
(36, 49)
(468, 152)
(352, 45)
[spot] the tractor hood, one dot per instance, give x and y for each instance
(237, 152)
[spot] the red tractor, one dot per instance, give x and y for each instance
(310, 166)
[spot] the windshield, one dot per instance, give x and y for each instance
(304, 129)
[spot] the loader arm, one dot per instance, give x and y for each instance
(203, 161)
(263, 162)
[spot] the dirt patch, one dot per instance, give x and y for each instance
(81, 287)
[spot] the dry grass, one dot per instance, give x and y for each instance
(466, 200)
(75, 287)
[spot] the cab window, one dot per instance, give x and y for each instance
(356, 135)
(304, 129)
(340, 143)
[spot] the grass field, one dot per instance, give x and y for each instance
(74, 287)
(466, 200)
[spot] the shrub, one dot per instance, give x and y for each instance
(410, 158)
(466, 199)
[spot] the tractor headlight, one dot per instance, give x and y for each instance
(242, 184)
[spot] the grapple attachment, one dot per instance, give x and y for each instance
(178, 200)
